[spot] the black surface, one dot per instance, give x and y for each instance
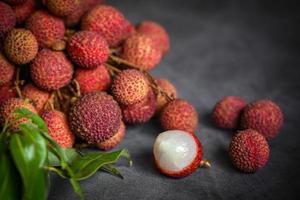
(218, 48)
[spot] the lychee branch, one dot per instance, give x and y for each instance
(205, 164)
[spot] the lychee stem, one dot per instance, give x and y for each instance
(205, 164)
(17, 83)
(112, 68)
(77, 86)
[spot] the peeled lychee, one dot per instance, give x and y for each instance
(167, 87)
(51, 70)
(114, 140)
(264, 116)
(95, 117)
(179, 114)
(106, 20)
(62, 8)
(249, 151)
(20, 46)
(141, 51)
(130, 86)
(6, 70)
(227, 111)
(23, 11)
(7, 20)
(92, 80)
(157, 33)
(177, 153)
(88, 49)
(58, 128)
(7, 91)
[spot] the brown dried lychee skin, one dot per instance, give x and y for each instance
(7, 91)
(20, 46)
(179, 115)
(106, 20)
(95, 117)
(51, 70)
(169, 88)
(141, 51)
(264, 116)
(7, 20)
(47, 28)
(227, 112)
(62, 8)
(249, 151)
(130, 86)
(6, 70)
(23, 11)
(88, 49)
(58, 128)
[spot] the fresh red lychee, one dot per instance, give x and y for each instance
(15, 2)
(177, 153)
(51, 70)
(114, 140)
(180, 115)
(128, 29)
(7, 20)
(141, 51)
(6, 70)
(249, 151)
(7, 91)
(130, 86)
(157, 33)
(227, 111)
(88, 49)
(264, 116)
(23, 11)
(167, 87)
(92, 80)
(62, 8)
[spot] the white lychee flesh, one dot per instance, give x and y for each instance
(174, 150)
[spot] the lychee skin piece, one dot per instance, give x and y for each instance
(141, 51)
(47, 28)
(88, 49)
(7, 20)
(95, 117)
(114, 140)
(20, 46)
(92, 80)
(6, 70)
(15, 2)
(157, 33)
(177, 153)
(179, 115)
(62, 8)
(130, 87)
(58, 128)
(249, 151)
(106, 20)
(227, 111)
(7, 91)
(23, 11)
(167, 87)
(140, 112)
(264, 116)
(51, 70)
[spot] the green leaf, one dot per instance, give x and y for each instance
(69, 154)
(29, 152)
(25, 113)
(109, 168)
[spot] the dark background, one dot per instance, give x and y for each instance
(218, 48)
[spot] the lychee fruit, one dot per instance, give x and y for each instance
(130, 86)
(58, 128)
(20, 46)
(157, 33)
(62, 8)
(180, 115)
(95, 117)
(140, 112)
(15, 2)
(7, 20)
(7, 91)
(264, 116)
(88, 49)
(128, 29)
(249, 151)
(51, 70)
(23, 11)
(38, 97)
(47, 28)
(6, 70)
(106, 20)
(141, 51)
(169, 89)
(114, 140)
(227, 111)
(92, 80)
(177, 153)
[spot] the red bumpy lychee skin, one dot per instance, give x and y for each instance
(130, 86)
(140, 112)
(179, 115)
(38, 97)
(58, 128)
(114, 140)
(92, 80)
(227, 111)
(23, 11)
(128, 29)
(47, 28)
(264, 116)
(51, 70)
(167, 87)
(106, 20)
(7, 20)
(15, 2)
(62, 8)
(141, 51)
(88, 49)
(249, 151)
(157, 33)
(7, 91)
(6, 70)
(95, 117)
